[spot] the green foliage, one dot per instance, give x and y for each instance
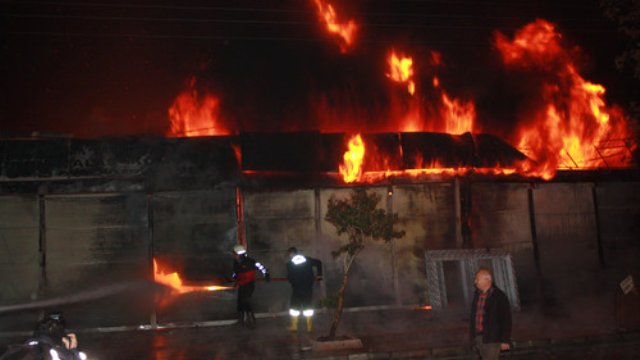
(358, 217)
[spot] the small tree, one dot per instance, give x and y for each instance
(359, 218)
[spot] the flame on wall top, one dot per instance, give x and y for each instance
(352, 167)
(195, 114)
(572, 127)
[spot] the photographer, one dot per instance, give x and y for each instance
(50, 341)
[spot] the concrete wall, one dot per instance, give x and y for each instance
(193, 234)
(567, 239)
(19, 257)
(619, 224)
(427, 215)
(500, 218)
(275, 221)
(93, 240)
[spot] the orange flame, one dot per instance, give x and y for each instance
(574, 128)
(174, 281)
(401, 70)
(194, 115)
(344, 31)
(351, 170)
(458, 116)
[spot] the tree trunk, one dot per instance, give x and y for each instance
(338, 314)
(348, 261)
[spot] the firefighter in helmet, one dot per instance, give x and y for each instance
(244, 275)
(301, 277)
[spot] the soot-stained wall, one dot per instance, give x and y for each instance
(561, 236)
(501, 218)
(193, 234)
(19, 256)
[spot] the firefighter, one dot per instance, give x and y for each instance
(50, 341)
(301, 277)
(244, 275)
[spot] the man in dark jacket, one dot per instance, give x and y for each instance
(244, 274)
(301, 277)
(490, 321)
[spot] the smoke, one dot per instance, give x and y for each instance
(84, 296)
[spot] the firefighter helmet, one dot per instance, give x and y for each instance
(239, 249)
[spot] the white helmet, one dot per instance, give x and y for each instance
(239, 249)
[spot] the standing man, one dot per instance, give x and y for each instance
(244, 274)
(490, 318)
(301, 277)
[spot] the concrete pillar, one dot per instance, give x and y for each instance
(596, 215)
(153, 318)
(42, 249)
(458, 211)
(318, 227)
(394, 257)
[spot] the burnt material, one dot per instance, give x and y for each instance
(303, 159)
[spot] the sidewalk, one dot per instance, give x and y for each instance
(386, 334)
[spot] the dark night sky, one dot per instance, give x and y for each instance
(97, 68)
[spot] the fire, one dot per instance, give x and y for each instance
(174, 281)
(574, 127)
(458, 116)
(344, 31)
(446, 114)
(379, 168)
(401, 70)
(351, 170)
(192, 114)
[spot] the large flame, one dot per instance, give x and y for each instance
(458, 115)
(351, 169)
(446, 114)
(344, 31)
(401, 70)
(173, 280)
(573, 127)
(195, 114)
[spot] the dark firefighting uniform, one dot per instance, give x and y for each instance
(301, 277)
(244, 274)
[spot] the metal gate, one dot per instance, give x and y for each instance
(468, 263)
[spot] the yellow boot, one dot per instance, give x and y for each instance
(294, 324)
(309, 324)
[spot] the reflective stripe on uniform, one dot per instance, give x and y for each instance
(298, 259)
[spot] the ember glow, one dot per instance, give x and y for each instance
(573, 128)
(351, 169)
(344, 31)
(401, 70)
(173, 280)
(195, 114)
